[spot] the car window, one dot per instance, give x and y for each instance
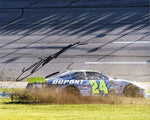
(104, 77)
(93, 76)
(79, 76)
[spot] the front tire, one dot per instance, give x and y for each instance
(131, 91)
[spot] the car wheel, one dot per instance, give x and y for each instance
(131, 91)
(72, 90)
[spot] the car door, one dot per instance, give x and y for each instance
(99, 83)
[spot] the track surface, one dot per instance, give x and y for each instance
(117, 32)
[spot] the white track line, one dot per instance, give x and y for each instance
(135, 42)
(122, 63)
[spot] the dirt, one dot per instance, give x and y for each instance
(57, 96)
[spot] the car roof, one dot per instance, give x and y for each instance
(84, 71)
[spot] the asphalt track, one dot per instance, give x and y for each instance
(117, 32)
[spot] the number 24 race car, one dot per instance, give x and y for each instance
(88, 82)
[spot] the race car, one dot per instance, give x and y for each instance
(88, 82)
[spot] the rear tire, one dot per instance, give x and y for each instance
(131, 91)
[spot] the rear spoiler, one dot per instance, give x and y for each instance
(40, 79)
(36, 80)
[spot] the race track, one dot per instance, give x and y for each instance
(117, 33)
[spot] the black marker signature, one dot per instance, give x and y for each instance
(43, 61)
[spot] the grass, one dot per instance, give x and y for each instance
(10, 89)
(104, 108)
(73, 112)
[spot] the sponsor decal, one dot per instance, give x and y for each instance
(112, 90)
(112, 84)
(67, 81)
(121, 86)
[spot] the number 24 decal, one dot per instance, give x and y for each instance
(96, 89)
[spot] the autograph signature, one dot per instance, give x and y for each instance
(43, 61)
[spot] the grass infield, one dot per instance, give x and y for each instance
(73, 112)
(105, 108)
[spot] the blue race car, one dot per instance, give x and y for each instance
(88, 82)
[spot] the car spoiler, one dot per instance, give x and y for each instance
(36, 80)
(32, 80)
